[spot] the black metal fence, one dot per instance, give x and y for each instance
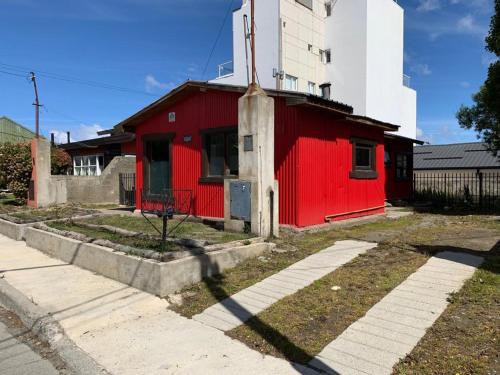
(127, 189)
(481, 190)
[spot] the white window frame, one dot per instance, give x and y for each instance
(291, 83)
(311, 88)
(83, 165)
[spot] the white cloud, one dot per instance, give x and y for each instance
(428, 5)
(84, 132)
(59, 136)
(421, 69)
(152, 85)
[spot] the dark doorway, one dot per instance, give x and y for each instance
(157, 165)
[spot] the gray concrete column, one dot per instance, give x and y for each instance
(256, 163)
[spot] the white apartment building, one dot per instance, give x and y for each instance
(356, 46)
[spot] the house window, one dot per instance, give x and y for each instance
(306, 3)
(90, 165)
(403, 167)
(363, 159)
(311, 88)
(220, 154)
(291, 83)
(328, 8)
(328, 56)
(387, 156)
(321, 55)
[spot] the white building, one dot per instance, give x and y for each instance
(354, 45)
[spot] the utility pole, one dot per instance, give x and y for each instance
(37, 106)
(252, 32)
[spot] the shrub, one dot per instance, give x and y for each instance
(15, 168)
(60, 160)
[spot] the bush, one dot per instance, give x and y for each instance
(15, 168)
(61, 162)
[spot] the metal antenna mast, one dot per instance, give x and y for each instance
(37, 106)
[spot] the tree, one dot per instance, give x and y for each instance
(60, 161)
(484, 115)
(15, 168)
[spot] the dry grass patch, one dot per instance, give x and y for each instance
(299, 326)
(465, 340)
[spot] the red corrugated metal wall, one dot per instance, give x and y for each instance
(313, 158)
(395, 189)
(202, 110)
(325, 161)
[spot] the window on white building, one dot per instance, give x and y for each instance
(311, 88)
(90, 165)
(291, 83)
(328, 56)
(328, 8)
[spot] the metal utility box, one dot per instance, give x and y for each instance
(241, 201)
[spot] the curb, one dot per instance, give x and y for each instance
(44, 325)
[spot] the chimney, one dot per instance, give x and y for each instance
(52, 139)
(325, 90)
(68, 134)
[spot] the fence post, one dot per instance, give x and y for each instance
(480, 175)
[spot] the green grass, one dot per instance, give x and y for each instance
(192, 230)
(299, 326)
(465, 340)
(137, 242)
(202, 295)
(9, 204)
(189, 230)
(51, 213)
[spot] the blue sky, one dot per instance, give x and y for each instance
(143, 48)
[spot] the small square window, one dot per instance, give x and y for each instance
(403, 167)
(311, 88)
(328, 8)
(328, 56)
(291, 83)
(220, 154)
(364, 164)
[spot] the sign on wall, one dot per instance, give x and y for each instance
(171, 117)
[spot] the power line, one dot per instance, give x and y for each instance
(13, 74)
(70, 79)
(217, 38)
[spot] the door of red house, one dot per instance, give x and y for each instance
(158, 166)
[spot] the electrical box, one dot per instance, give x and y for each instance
(241, 199)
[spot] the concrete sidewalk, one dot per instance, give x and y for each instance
(123, 329)
(394, 326)
(237, 309)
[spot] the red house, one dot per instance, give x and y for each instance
(329, 163)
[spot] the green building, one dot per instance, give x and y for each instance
(12, 132)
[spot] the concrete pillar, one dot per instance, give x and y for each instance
(41, 180)
(256, 164)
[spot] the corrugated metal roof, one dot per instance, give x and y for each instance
(454, 156)
(12, 132)
(96, 142)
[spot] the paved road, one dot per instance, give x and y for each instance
(16, 355)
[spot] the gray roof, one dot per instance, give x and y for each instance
(454, 156)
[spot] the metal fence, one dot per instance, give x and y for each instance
(480, 190)
(127, 189)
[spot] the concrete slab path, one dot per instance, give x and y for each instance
(123, 329)
(393, 327)
(240, 307)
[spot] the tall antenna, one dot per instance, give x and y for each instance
(37, 106)
(252, 32)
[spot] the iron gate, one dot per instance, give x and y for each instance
(127, 189)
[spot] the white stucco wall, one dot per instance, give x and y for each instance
(267, 42)
(366, 39)
(346, 35)
(408, 113)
